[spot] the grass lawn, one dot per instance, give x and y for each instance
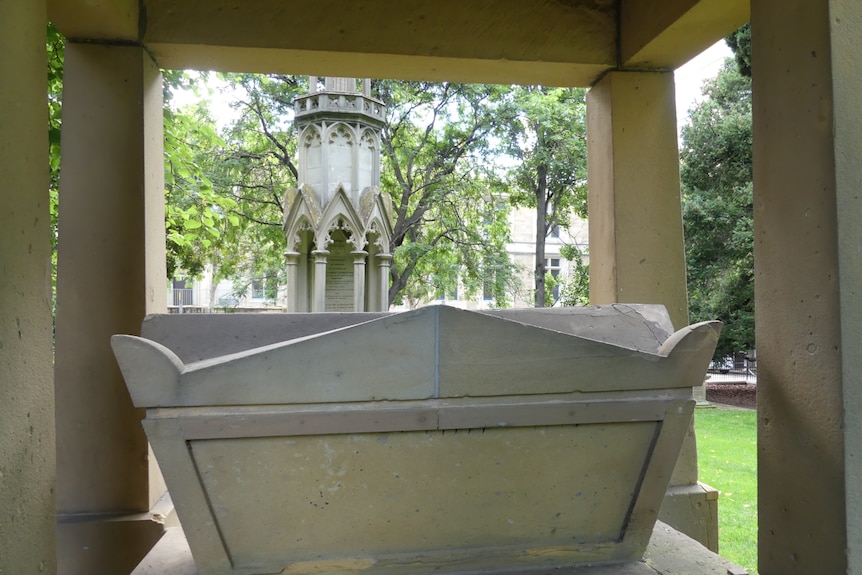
(727, 461)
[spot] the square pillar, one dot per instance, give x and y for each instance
(111, 273)
(637, 253)
(27, 543)
(807, 63)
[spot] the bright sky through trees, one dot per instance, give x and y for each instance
(690, 76)
(689, 80)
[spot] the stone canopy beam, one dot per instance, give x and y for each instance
(565, 43)
(107, 20)
(664, 34)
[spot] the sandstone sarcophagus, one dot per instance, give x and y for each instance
(433, 441)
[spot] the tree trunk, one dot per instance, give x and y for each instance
(541, 215)
(213, 283)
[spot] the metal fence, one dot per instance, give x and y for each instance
(183, 297)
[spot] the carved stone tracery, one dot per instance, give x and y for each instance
(338, 197)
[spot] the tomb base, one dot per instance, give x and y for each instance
(693, 510)
(670, 552)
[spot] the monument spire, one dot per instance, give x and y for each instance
(337, 222)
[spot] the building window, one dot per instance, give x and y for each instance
(552, 266)
(445, 289)
(488, 290)
(554, 231)
(453, 293)
(263, 288)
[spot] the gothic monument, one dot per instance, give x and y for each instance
(337, 222)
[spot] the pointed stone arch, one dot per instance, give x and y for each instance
(340, 142)
(368, 159)
(311, 155)
(340, 213)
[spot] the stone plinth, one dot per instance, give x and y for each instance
(669, 553)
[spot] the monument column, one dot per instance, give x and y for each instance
(383, 261)
(637, 253)
(291, 260)
(27, 539)
(807, 63)
(359, 280)
(339, 175)
(111, 273)
(318, 298)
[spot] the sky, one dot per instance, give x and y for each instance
(690, 76)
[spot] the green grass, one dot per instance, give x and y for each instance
(727, 461)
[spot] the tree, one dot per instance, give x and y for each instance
(225, 189)
(740, 42)
(716, 176)
(55, 45)
(447, 228)
(449, 221)
(575, 289)
(192, 209)
(255, 169)
(547, 137)
(197, 216)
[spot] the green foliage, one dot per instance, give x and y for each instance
(740, 42)
(716, 176)
(727, 461)
(254, 170)
(55, 45)
(225, 189)
(547, 137)
(575, 289)
(449, 219)
(195, 213)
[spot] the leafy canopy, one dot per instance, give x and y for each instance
(716, 176)
(546, 137)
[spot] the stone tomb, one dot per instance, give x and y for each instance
(432, 441)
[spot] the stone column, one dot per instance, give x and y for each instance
(808, 268)
(637, 253)
(291, 260)
(318, 298)
(359, 280)
(26, 383)
(383, 261)
(636, 243)
(111, 273)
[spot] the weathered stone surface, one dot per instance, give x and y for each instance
(389, 358)
(193, 337)
(669, 553)
(642, 327)
(433, 441)
(485, 356)
(430, 352)
(374, 496)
